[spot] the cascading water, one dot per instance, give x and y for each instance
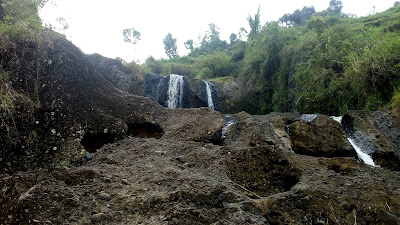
(209, 95)
(367, 159)
(175, 91)
(228, 122)
(309, 117)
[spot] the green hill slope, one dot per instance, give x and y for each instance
(330, 65)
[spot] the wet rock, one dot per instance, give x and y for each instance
(195, 93)
(376, 135)
(320, 137)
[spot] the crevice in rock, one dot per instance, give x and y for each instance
(92, 141)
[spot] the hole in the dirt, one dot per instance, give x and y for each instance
(263, 171)
(289, 181)
(145, 130)
(93, 141)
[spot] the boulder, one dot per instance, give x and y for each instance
(320, 136)
(118, 75)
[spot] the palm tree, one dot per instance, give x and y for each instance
(254, 24)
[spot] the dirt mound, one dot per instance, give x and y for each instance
(76, 108)
(148, 181)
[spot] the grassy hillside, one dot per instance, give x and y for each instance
(330, 65)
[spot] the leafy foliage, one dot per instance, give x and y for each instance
(297, 18)
(324, 62)
(131, 35)
(170, 46)
(254, 23)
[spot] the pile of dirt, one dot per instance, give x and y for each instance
(77, 108)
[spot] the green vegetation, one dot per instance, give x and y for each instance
(131, 35)
(20, 31)
(170, 46)
(325, 62)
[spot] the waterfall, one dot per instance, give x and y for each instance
(175, 91)
(367, 159)
(228, 122)
(309, 117)
(209, 95)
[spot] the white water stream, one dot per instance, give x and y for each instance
(309, 117)
(175, 91)
(228, 122)
(367, 159)
(209, 95)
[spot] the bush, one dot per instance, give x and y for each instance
(219, 63)
(395, 101)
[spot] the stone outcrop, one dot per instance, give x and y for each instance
(322, 137)
(376, 134)
(118, 75)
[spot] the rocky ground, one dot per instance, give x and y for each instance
(154, 165)
(254, 178)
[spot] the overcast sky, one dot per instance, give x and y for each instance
(95, 26)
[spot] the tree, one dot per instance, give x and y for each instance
(131, 35)
(210, 42)
(254, 24)
(298, 17)
(211, 36)
(23, 12)
(170, 46)
(285, 20)
(335, 7)
(233, 38)
(154, 65)
(189, 45)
